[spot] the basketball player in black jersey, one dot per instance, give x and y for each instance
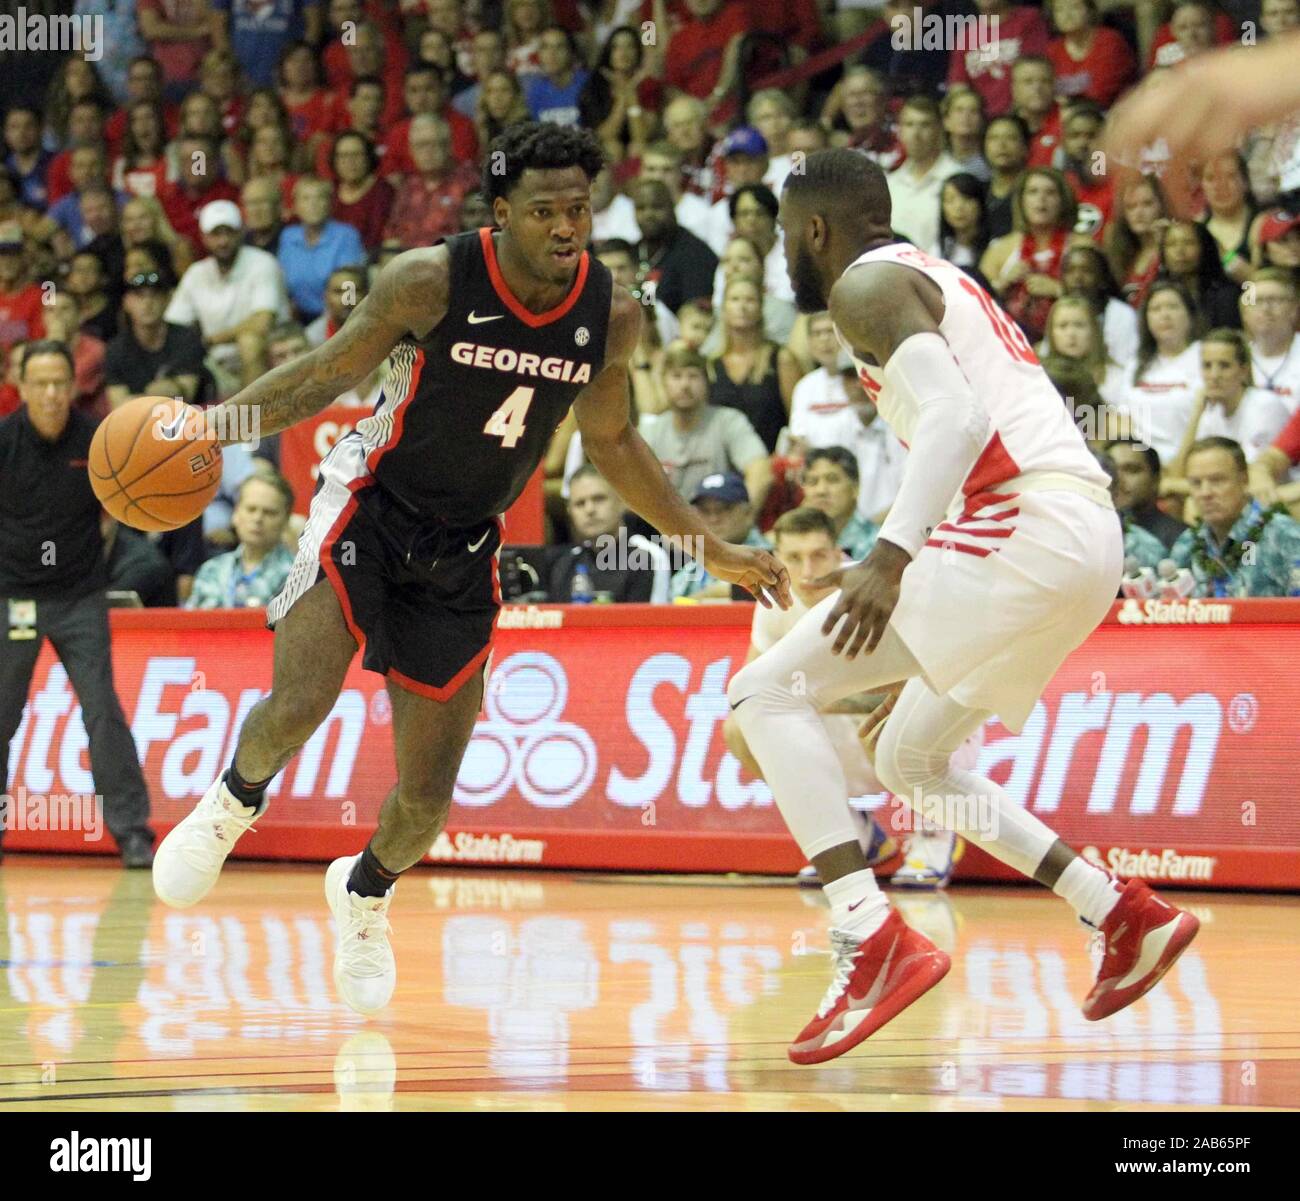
(490, 337)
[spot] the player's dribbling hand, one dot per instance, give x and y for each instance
(868, 595)
(757, 571)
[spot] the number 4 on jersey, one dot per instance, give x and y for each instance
(507, 423)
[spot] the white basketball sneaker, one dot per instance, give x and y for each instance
(928, 859)
(190, 859)
(365, 972)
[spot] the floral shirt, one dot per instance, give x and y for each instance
(858, 537)
(1259, 558)
(692, 579)
(222, 584)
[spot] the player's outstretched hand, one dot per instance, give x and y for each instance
(757, 571)
(868, 595)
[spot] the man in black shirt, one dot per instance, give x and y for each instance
(1137, 486)
(150, 356)
(52, 582)
(674, 260)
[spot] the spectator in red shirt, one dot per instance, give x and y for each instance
(85, 128)
(63, 324)
(362, 199)
(21, 313)
(703, 56)
(365, 112)
(1085, 168)
(200, 183)
(1194, 26)
(268, 159)
(428, 202)
(201, 118)
(141, 170)
(1033, 101)
(860, 114)
(1092, 61)
(314, 115)
(143, 82)
(987, 68)
(524, 22)
(448, 18)
(425, 91)
(179, 33)
(368, 56)
(383, 53)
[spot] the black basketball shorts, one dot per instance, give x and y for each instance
(421, 599)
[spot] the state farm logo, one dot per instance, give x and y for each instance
(1164, 864)
(523, 743)
(1134, 612)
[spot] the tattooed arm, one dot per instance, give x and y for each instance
(410, 295)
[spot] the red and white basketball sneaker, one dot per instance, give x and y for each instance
(1144, 935)
(875, 980)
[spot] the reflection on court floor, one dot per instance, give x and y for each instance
(570, 992)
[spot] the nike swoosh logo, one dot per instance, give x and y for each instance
(856, 904)
(479, 320)
(171, 430)
(473, 546)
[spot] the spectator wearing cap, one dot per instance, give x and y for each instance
(630, 567)
(52, 583)
(552, 95)
(1270, 325)
(916, 187)
(745, 161)
(1277, 238)
(678, 264)
(1136, 488)
(830, 483)
(233, 296)
(1238, 547)
(694, 439)
(428, 201)
(314, 247)
(25, 156)
(254, 572)
(199, 185)
(987, 67)
(151, 356)
(723, 503)
(21, 313)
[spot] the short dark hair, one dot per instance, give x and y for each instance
(842, 457)
(1147, 451)
(804, 520)
(846, 178)
(761, 193)
(538, 146)
(45, 346)
(372, 156)
(616, 246)
(1214, 442)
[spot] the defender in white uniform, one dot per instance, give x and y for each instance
(999, 556)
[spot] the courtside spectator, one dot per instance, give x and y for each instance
(686, 127)
(1085, 271)
(1269, 313)
(662, 161)
(629, 568)
(199, 185)
(179, 33)
(1137, 488)
(1238, 547)
(250, 575)
(1085, 168)
(487, 55)
(704, 53)
(1033, 100)
(63, 324)
(1132, 239)
(87, 281)
(1139, 543)
(830, 483)
(723, 503)
(963, 131)
(858, 114)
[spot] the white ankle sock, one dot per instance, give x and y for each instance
(1089, 889)
(857, 903)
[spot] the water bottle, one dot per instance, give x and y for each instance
(1138, 581)
(1175, 583)
(580, 589)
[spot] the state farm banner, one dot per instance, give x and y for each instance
(1165, 746)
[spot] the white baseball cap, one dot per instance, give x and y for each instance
(219, 213)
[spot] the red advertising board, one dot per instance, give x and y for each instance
(1164, 747)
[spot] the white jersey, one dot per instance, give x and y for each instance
(1030, 429)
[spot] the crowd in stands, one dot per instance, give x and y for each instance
(214, 196)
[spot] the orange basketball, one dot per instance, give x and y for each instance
(152, 464)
